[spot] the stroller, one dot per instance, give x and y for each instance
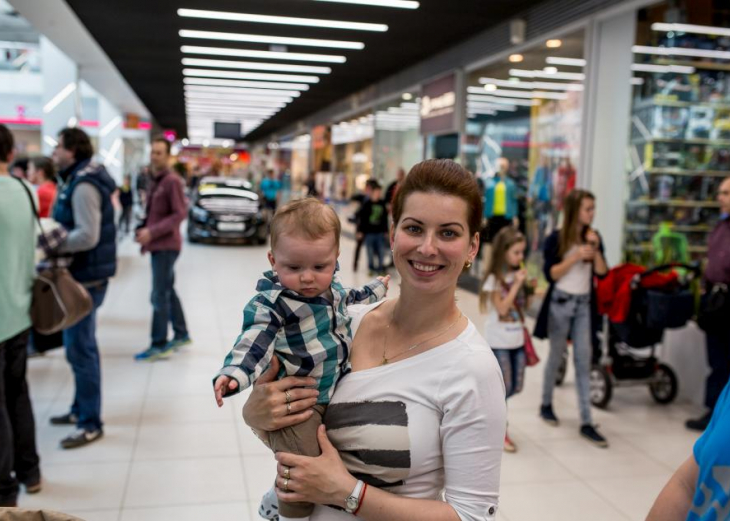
(638, 306)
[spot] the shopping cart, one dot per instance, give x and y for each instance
(658, 301)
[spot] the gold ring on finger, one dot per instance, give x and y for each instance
(288, 408)
(288, 396)
(286, 473)
(286, 484)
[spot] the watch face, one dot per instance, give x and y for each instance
(351, 503)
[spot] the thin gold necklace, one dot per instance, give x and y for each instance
(387, 360)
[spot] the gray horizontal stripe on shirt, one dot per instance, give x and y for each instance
(397, 459)
(375, 482)
(341, 415)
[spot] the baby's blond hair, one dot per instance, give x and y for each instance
(307, 217)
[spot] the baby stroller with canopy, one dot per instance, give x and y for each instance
(639, 306)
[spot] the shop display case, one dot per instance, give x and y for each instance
(679, 150)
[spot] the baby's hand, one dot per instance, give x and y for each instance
(385, 280)
(222, 385)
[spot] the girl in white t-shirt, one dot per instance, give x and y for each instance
(503, 299)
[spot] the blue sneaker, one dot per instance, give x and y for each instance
(177, 343)
(149, 355)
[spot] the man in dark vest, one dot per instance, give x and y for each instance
(84, 208)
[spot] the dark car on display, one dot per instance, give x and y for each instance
(226, 209)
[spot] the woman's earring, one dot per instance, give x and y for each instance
(467, 265)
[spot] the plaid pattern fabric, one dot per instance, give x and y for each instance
(310, 336)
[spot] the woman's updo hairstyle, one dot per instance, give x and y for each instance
(442, 176)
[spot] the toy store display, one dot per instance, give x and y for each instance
(680, 149)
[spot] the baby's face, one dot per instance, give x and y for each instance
(304, 265)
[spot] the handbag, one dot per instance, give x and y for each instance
(58, 300)
(714, 309)
(531, 358)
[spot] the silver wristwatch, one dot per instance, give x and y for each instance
(353, 500)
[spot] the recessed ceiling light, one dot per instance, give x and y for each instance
(548, 85)
(242, 91)
(205, 73)
(276, 40)
(270, 55)
(401, 4)
(230, 64)
(690, 28)
(516, 58)
(550, 70)
(244, 83)
(195, 102)
(532, 94)
(553, 44)
(407, 96)
(476, 96)
(185, 142)
(490, 87)
(281, 20)
(556, 60)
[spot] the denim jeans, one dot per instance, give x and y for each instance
(82, 352)
(166, 305)
(570, 316)
(17, 426)
(375, 244)
(718, 357)
(512, 362)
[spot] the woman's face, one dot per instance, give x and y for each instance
(587, 211)
(431, 242)
(34, 176)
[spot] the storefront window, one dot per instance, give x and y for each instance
(398, 142)
(680, 131)
(523, 132)
(353, 155)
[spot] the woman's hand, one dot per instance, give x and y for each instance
(323, 480)
(266, 408)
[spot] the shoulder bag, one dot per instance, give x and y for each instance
(59, 301)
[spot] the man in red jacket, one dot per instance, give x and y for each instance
(160, 235)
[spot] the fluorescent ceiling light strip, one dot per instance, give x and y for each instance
(228, 64)
(233, 98)
(58, 98)
(399, 4)
(233, 105)
(690, 28)
(115, 122)
(230, 111)
(281, 20)
(573, 62)
(242, 83)
(531, 84)
(205, 73)
(522, 73)
(276, 40)
(241, 91)
(533, 94)
(270, 55)
(491, 106)
(681, 51)
(494, 99)
(650, 67)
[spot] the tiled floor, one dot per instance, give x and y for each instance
(170, 453)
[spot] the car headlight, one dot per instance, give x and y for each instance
(199, 214)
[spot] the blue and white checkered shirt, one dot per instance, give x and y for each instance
(310, 335)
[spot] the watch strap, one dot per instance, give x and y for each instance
(355, 495)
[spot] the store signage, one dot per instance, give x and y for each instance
(438, 106)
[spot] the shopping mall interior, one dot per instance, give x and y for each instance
(203, 118)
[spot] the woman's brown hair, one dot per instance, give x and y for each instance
(503, 241)
(569, 233)
(442, 176)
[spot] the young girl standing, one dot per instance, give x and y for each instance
(573, 256)
(503, 299)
